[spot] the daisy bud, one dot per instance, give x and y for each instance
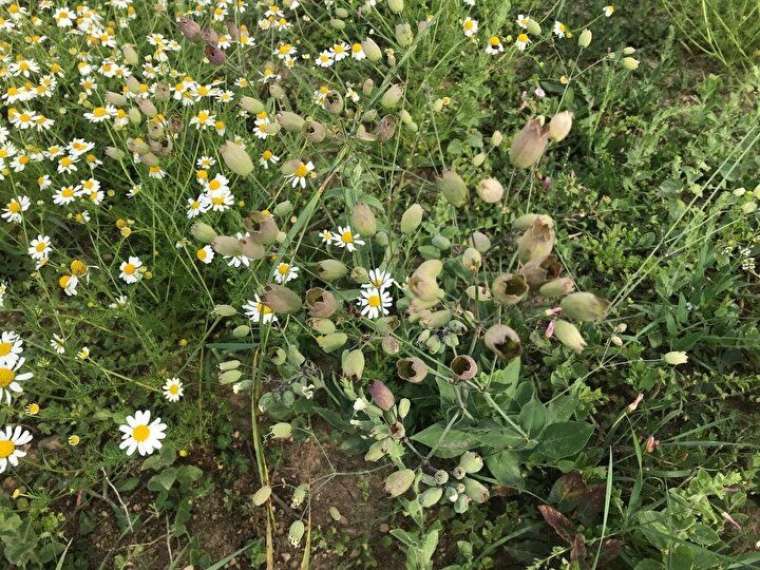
(252, 105)
(236, 159)
(135, 117)
(528, 145)
(584, 39)
(411, 219)
(331, 270)
(147, 107)
(398, 483)
(453, 188)
(390, 345)
(536, 243)
(391, 97)
(322, 326)
(291, 122)
(227, 245)
(130, 55)
(115, 153)
(352, 363)
(261, 496)
(509, 288)
(116, 99)
(503, 341)
(296, 532)
(396, 6)
(569, 335)
(631, 63)
(533, 27)
(411, 369)
(490, 190)
(202, 232)
(321, 304)
(430, 497)
(560, 125)
(372, 50)
(476, 490)
(241, 331)
(471, 259)
(584, 307)
(281, 299)
(464, 367)
(224, 311)
(557, 287)
(675, 358)
(497, 138)
(381, 395)
(404, 35)
(363, 219)
(261, 227)
(527, 220)
(480, 241)
(332, 342)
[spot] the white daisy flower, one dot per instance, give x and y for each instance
(57, 344)
(141, 435)
(11, 347)
(10, 441)
(12, 213)
(173, 389)
(522, 41)
(559, 29)
(344, 237)
(379, 279)
(357, 52)
(284, 272)
(129, 271)
(374, 303)
(470, 27)
(301, 173)
(258, 312)
(40, 248)
(10, 380)
(609, 10)
(494, 45)
(205, 254)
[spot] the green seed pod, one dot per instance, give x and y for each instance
(435, 320)
(381, 395)
(404, 35)
(480, 241)
(368, 86)
(376, 451)
(438, 105)
(224, 311)
(283, 209)
(332, 342)
(390, 345)
(276, 91)
(363, 219)
(322, 326)
(476, 490)
(411, 219)
(352, 363)
(294, 356)
(382, 239)
(411, 369)
(584, 307)
(631, 63)
(338, 24)
(281, 430)
(115, 153)
(227, 245)
(229, 365)
(321, 303)
(372, 50)
(236, 158)
(569, 335)
(299, 495)
(527, 220)
(398, 483)
(241, 331)
(434, 344)
(440, 242)
(396, 6)
(453, 188)
(291, 122)
(296, 532)
(560, 125)
(430, 497)
(131, 57)
(279, 357)
(280, 299)
(490, 190)
(536, 243)
(261, 496)
(470, 462)
(359, 275)
(584, 39)
(509, 288)
(403, 407)
(557, 287)
(471, 259)
(503, 341)
(335, 514)
(478, 293)
(528, 145)
(464, 367)
(392, 97)
(533, 27)
(331, 270)
(135, 117)
(629, 50)
(405, 117)
(462, 504)
(252, 105)
(478, 159)
(133, 85)
(497, 138)
(341, 13)
(230, 376)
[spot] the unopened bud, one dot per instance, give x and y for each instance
(453, 188)
(202, 232)
(471, 259)
(631, 63)
(560, 125)
(130, 54)
(584, 39)
(291, 122)
(332, 342)
(224, 310)
(584, 307)
(372, 50)
(363, 219)
(252, 105)
(352, 363)
(236, 158)
(391, 97)
(404, 35)
(490, 190)
(411, 219)
(381, 395)
(557, 287)
(396, 6)
(528, 145)
(331, 270)
(398, 483)
(569, 335)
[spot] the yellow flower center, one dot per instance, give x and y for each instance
(67, 192)
(356, 48)
(468, 25)
(14, 207)
(523, 38)
(266, 155)
(40, 247)
(201, 254)
(5, 348)
(217, 200)
(6, 377)
(129, 269)
(347, 237)
(494, 41)
(78, 267)
(374, 301)
(140, 433)
(63, 282)
(99, 111)
(173, 389)
(7, 447)
(301, 170)
(264, 309)
(283, 268)
(214, 185)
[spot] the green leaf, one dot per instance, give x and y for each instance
(505, 467)
(564, 439)
(164, 458)
(451, 444)
(163, 481)
(533, 416)
(508, 375)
